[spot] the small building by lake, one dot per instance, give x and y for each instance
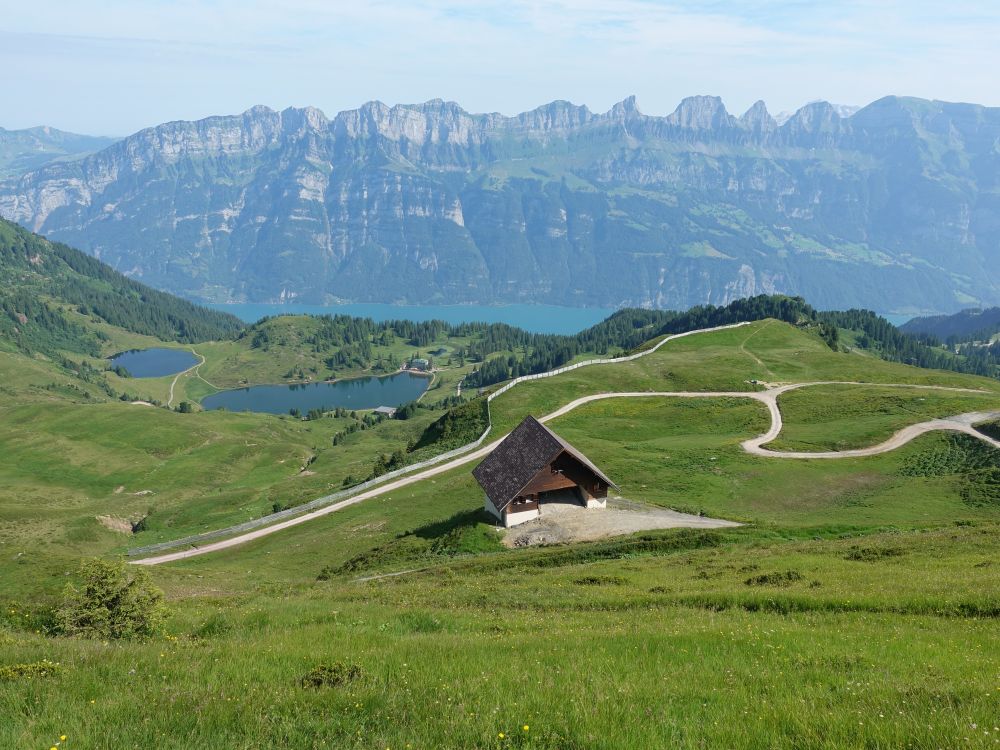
(531, 465)
(387, 411)
(419, 363)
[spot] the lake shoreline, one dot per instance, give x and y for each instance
(361, 393)
(153, 361)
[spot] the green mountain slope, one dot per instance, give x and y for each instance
(42, 280)
(978, 325)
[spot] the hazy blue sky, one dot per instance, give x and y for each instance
(114, 66)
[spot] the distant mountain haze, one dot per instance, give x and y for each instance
(24, 150)
(980, 325)
(895, 207)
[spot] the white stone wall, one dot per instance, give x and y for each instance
(491, 509)
(593, 502)
(513, 519)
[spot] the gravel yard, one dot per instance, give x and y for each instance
(565, 520)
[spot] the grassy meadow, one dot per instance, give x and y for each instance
(837, 418)
(857, 607)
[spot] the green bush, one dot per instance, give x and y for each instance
(115, 601)
(991, 429)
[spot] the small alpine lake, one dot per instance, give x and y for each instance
(154, 363)
(351, 393)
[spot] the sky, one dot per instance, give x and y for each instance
(115, 66)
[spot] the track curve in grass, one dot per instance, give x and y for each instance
(754, 446)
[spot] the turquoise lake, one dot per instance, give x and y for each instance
(534, 318)
(353, 393)
(154, 363)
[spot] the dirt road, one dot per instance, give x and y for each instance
(177, 377)
(961, 423)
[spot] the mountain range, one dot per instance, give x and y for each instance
(895, 207)
(24, 150)
(975, 325)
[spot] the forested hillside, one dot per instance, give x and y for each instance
(52, 291)
(968, 325)
(43, 281)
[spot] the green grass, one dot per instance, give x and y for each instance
(857, 608)
(68, 464)
(669, 649)
(727, 360)
(844, 417)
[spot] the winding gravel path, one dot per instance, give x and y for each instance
(177, 377)
(960, 423)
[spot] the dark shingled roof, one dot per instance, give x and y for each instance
(528, 449)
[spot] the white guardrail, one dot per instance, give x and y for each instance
(319, 502)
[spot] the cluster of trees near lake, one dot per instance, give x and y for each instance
(31, 325)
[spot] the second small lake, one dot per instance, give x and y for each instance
(354, 393)
(154, 363)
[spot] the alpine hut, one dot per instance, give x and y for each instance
(531, 463)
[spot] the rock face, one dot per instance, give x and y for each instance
(895, 207)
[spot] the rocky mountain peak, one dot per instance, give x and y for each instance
(815, 117)
(701, 113)
(625, 109)
(259, 110)
(758, 119)
(303, 119)
(424, 202)
(559, 115)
